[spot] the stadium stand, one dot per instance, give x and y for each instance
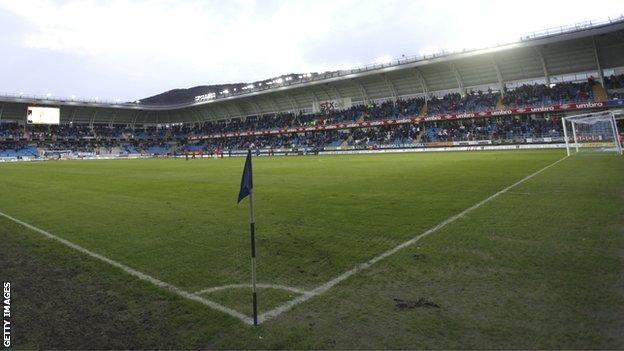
(24, 141)
(506, 94)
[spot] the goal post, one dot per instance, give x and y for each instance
(593, 131)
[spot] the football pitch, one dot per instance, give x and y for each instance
(521, 249)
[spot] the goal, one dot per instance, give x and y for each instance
(593, 131)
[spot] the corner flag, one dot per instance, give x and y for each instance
(246, 189)
(247, 179)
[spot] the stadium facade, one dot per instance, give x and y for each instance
(564, 54)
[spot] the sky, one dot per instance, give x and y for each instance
(130, 49)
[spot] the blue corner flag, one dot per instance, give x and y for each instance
(247, 180)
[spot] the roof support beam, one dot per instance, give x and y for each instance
(73, 116)
(227, 107)
(596, 57)
(214, 113)
(271, 99)
(200, 117)
(238, 109)
(363, 91)
(1, 110)
(180, 117)
(499, 75)
(391, 87)
(92, 118)
(191, 119)
(256, 107)
(136, 116)
(315, 97)
(293, 103)
(423, 83)
(207, 114)
(110, 124)
(335, 90)
(322, 87)
(223, 109)
(197, 116)
(170, 116)
(460, 82)
(538, 52)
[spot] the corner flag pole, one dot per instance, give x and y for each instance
(252, 231)
(246, 189)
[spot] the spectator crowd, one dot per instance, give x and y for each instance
(198, 137)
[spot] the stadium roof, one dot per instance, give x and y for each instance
(560, 53)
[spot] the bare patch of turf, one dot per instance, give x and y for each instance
(401, 304)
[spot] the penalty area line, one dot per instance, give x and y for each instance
(133, 272)
(330, 284)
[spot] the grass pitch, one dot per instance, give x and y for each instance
(538, 267)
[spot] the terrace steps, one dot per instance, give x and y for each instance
(423, 110)
(500, 105)
(418, 137)
(348, 142)
(599, 92)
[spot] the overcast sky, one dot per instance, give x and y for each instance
(133, 49)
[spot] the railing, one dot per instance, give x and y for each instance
(67, 99)
(571, 28)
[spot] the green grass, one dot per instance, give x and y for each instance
(539, 267)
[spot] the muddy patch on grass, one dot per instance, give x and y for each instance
(422, 302)
(419, 257)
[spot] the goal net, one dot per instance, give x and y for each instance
(596, 131)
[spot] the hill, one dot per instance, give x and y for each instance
(177, 96)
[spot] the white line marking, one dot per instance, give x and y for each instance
(323, 288)
(263, 286)
(134, 272)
